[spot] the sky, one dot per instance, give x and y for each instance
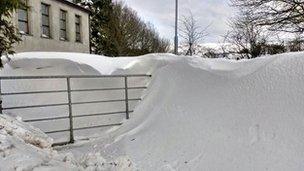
(208, 12)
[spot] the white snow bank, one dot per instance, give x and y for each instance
(204, 114)
(83, 63)
(23, 147)
(220, 115)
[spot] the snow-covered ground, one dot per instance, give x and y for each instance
(23, 147)
(197, 114)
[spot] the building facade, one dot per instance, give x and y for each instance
(53, 26)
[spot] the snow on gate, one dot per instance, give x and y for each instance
(68, 107)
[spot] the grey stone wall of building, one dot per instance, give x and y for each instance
(35, 42)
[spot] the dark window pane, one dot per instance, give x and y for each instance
(63, 34)
(45, 9)
(23, 27)
(46, 31)
(45, 20)
(77, 29)
(63, 15)
(23, 20)
(77, 20)
(78, 38)
(22, 14)
(62, 25)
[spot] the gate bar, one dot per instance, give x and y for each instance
(127, 98)
(35, 106)
(34, 92)
(71, 76)
(70, 110)
(1, 109)
(101, 114)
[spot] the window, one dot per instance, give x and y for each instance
(63, 25)
(78, 28)
(45, 20)
(23, 23)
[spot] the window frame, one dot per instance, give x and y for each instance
(64, 20)
(26, 22)
(78, 24)
(48, 26)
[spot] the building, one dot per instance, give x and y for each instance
(53, 25)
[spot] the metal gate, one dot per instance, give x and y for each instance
(70, 103)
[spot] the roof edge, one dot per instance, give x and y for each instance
(74, 5)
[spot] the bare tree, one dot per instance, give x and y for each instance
(296, 44)
(277, 15)
(246, 37)
(191, 32)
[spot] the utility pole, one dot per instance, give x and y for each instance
(176, 27)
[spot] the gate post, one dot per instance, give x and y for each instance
(126, 97)
(1, 112)
(70, 110)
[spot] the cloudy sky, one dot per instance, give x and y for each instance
(208, 12)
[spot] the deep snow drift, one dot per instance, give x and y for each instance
(220, 115)
(205, 114)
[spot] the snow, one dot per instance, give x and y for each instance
(197, 114)
(221, 115)
(23, 147)
(70, 64)
(103, 65)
